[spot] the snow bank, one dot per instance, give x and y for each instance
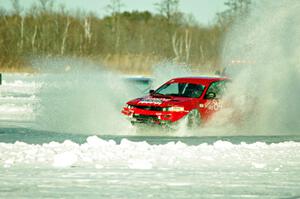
(100, 154)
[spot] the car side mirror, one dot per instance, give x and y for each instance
(210, 95)
(151, 92)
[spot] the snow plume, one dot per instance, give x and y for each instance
(261, 54)
(79, 97)
(165, 71)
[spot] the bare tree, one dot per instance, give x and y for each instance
(168, 8)
(115, 9)
(188, 42)
(33, 39)
(16, 7)
(235, 9)
(177, 44)
(22, 32)
(65, 35)
(46, 5)
(182, 47)
(17, 11)
(87, 29)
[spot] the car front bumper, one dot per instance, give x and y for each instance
(136, 115)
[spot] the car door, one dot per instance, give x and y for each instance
(213, 98)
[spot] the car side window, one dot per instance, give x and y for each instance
(218, 88)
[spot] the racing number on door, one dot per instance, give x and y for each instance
(214, 105)
(217, 88)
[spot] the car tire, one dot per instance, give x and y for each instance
(193, 119)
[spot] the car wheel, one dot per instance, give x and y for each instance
(193, 119)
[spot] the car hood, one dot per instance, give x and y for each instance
(159, 101)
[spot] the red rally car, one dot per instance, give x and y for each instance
(190, 99)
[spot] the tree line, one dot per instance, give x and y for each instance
(118, 39)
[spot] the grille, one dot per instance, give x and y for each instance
(145, 118)
(149, 108)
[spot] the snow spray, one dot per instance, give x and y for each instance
(261, 53)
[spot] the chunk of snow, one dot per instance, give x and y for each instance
(65, 159)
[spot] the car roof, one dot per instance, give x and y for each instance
(204, 80)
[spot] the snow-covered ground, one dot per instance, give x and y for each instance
(107, 168)
(99, 168)
(18, 99)
(99, 153)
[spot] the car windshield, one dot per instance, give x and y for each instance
(180, 90)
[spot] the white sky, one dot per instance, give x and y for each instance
(203, 10)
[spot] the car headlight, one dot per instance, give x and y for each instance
(129, 106)
(174, 109)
